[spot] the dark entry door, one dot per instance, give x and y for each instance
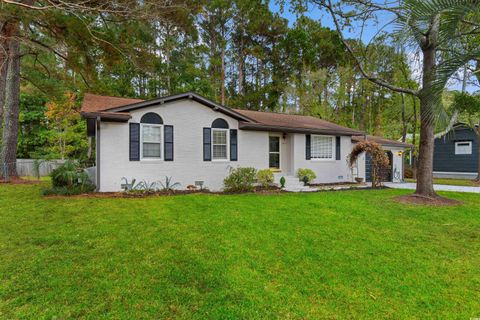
(388, 171)
(274, 152)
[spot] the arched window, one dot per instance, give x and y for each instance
(220, 124)
(151, 118)
(219, 139)
(152, 139)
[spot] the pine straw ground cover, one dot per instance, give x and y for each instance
(352, 254)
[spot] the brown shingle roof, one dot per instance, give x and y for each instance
(261, 121)
(382, 141)
(290, 122)
(96, 103)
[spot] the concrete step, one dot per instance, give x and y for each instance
(290, 181)
(300, 189)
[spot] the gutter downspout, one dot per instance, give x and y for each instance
(97, 153)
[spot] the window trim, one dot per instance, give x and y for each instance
(334, 148)
(227, 144)
(470, 145)
(142, 158)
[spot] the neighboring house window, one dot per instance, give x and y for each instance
(151, 129)
(463, 147)
(219, 140)
(322, 147)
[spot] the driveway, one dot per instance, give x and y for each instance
(436, 187)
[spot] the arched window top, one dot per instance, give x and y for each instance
(220, 124)
(151, 118)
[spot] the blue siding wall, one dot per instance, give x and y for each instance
(445, 159)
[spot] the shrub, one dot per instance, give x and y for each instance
(69, 179)
(282, 182)
(306, 175)
(69, 174)
(240, 179)
(265, 177)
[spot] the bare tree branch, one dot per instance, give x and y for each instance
(371, 78)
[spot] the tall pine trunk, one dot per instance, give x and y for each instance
(222, 76)
(8, 154)
(3, 69)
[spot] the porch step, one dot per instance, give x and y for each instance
(290, 181)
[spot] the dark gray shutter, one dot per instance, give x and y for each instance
(134, 142)
(168, 142)
(207, 144)
(337, 149)
(233, 145)
(91, 123)
(308, 154)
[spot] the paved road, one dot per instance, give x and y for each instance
(437, 187)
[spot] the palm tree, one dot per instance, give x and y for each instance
(434, 28)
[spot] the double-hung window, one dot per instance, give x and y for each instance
(151, 141)
(219, 144)
(151, 138)
(322, 147)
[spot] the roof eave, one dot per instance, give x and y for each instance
(112, 117)
(262, 127)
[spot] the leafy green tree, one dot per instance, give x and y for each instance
(437, 29)
(34, 134)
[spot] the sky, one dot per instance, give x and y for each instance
(368, 33)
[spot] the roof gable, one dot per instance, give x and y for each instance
(115, 104)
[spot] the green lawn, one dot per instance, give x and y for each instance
(452, 182)
(335, 255)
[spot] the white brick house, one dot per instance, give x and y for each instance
(190, 138)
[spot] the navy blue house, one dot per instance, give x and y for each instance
(456, 154)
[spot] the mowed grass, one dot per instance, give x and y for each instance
(452, 182)
(335, 255)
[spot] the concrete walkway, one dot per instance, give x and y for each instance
(436, 187)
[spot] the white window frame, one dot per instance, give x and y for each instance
(313, 136)
(227, 137)
(141, 142)
(469, 146)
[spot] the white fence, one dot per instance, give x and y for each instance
(32, 167)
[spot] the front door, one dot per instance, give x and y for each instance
(274, 152)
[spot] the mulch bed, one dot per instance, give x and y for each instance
(258, 190)
(416, 199)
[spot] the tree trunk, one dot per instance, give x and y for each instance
(404, 120)
(8, 154)
(241, 68)
(222, 77)
(3, 69)
(427, 98)
(477, 132)
(414, 138)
